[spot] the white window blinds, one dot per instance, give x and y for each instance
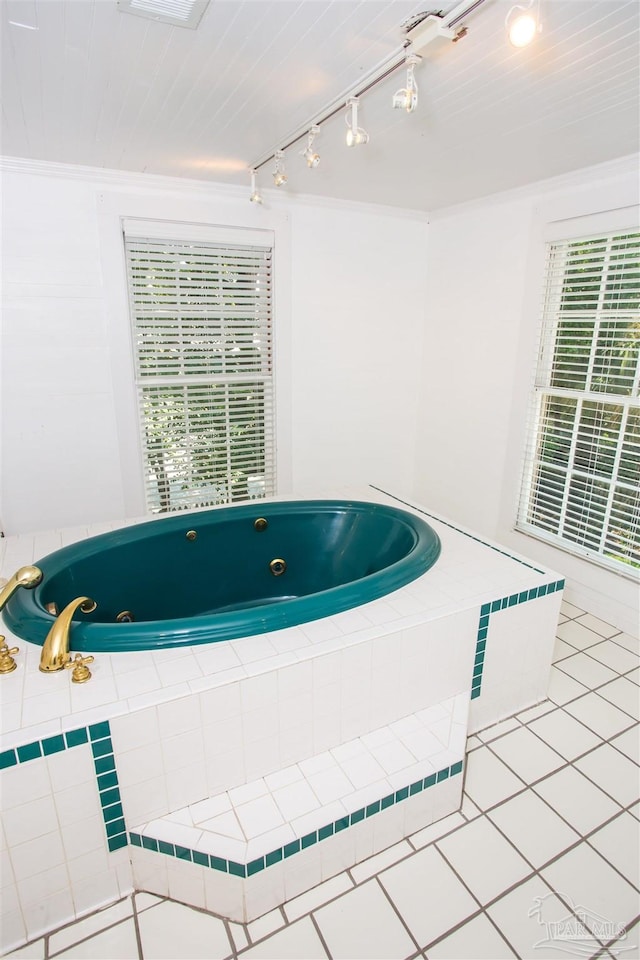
(581, 486)
(201, 317)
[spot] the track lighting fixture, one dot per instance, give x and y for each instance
(425, 31)
(355, 134)
(522, 24)
(279, 174)
(407, 97)
(312, 158)
(255, 195)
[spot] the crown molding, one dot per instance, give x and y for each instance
(285, 202)
(574, 179)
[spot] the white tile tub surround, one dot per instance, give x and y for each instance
(56, 865)
(191, 723)
(252, 821)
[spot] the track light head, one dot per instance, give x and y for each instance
(355, 134)
(279, 173)
(255, 194)
(312, 158)
(522, 25)
(407, 97)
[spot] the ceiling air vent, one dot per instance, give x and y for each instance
(180, 13)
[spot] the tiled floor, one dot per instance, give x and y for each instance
(542, 860)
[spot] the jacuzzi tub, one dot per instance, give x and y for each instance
(226, 573)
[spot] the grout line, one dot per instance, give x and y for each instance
(225, 922)
(110, 926)
(136, 926)
(320, 934)
(385, 893)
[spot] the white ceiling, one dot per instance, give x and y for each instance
(98, 87)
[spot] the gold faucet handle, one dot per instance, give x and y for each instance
(81, 672)
(7, 663)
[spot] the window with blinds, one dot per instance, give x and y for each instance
(581, 487)
(202, 334)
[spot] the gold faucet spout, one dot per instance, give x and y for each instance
(56, 650)
(28, 577)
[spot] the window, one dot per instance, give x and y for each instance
(202, 336)
(581, 487)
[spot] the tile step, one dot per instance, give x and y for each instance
(255, 825)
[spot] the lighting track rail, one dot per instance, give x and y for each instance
(424, 30)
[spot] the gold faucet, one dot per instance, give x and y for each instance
(56, 650)
(28, 577)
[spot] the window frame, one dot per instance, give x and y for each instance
(203, 207)
(179, 388)
(610, 222)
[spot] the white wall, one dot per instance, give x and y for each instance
(359, 286)
(350, 285)
(484, 268)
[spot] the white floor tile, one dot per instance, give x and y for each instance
(428, 895)
(629, 743)
(527, 755)
(562, 650)
(119, 941)
(266, 924)
(468, 809)
(89, 925)
(586, 670)
(238, 936)
(614, 656)
(534, 829)
(583, 876)
(628, 945)
(526, 915)
(438, 829)
(532, 713)
(635, 810)
(601, 717)
(598, 626)
(292, 943)
(478, 938)
(577, 635)
(146, 900)
(362, 871)
(566, 735)
(172, 930)
(577, 799)
(362, 925)
(619, 843)
(570, 609)
(498, 729)
(315, 897)
(628, 642)
(624, 694)
(634, 676)
(563, 688)
(488, 781)
(32, 951)
(483, 859)
(617, 775)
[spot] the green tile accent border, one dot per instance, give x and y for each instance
(493, 607)
(98, 735)
(296, 846)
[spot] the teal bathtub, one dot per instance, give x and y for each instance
(225, 573)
